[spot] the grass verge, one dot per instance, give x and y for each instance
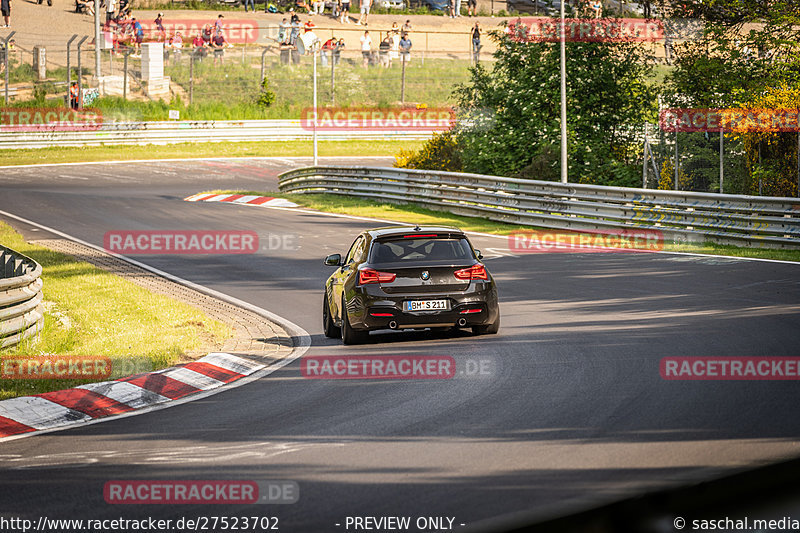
(91, 312)
(198, 150)
(332, 203)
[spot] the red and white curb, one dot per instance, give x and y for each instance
(108, 398)
(263, 201)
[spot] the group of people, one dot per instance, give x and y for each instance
(454, 8)
(396, 45)
(125, 31)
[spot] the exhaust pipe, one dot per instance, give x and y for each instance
(392, 325)
(462, 322)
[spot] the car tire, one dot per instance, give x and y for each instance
(489, 329)
(350, 335)
(328, 327)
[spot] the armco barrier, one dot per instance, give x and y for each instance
(21, 309)
(682, 216)
(112, 133)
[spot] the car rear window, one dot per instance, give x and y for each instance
(421, 249)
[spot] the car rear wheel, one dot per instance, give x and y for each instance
(350, 335)
(328, 327)
(489, 329)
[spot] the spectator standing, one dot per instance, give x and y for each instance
(405, 48)
(345, 15)
(472, 8)
(597, 7)
(283, 31)
(249, 3)
(199, 46)
(366, 48)
(327, 48)
(295, 32)
(177, 47)
(406, 27)
(74, 95)
(218, 24)
(458, 8)
(138, 34)
(124, 8)
(383, 52)
(5, 8)
(206, 35)
(218, 44)
(111, 8)
(476, 42)
(337, 51)
(365, 5)
(162, 33)
(293, 17)
(308, 26)
(319, 7)
(451, 8)
(394, 41)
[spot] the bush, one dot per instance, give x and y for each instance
(439, 153)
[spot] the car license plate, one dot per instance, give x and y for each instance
(427, 305)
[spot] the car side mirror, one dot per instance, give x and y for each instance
(334, 260)
(478, 254)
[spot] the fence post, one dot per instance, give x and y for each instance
(5, 59)
(263, 65)
(191, 81)
(125, 55)
(644, 159)
(80, 73)
(333, 78)
(721, 159)
(403, 80)
(676, 157)
(69, 72)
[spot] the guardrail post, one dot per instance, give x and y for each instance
(5, 59)
(69, 70)
(80, 73)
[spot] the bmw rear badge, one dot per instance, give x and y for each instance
(425, 275)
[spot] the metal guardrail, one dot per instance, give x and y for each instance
(112, 133)
(680, 216)
(21, 308)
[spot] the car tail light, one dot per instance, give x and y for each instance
(368, 275)
(470, 311)
(473, 272)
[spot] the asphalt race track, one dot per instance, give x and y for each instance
(570, 413)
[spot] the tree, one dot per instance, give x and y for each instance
(609, 97)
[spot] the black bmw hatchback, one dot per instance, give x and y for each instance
(404, 277)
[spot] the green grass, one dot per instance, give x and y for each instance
(85, 154)
(91, 312)
(333, 203)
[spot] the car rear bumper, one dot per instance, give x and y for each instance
(475, 307)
